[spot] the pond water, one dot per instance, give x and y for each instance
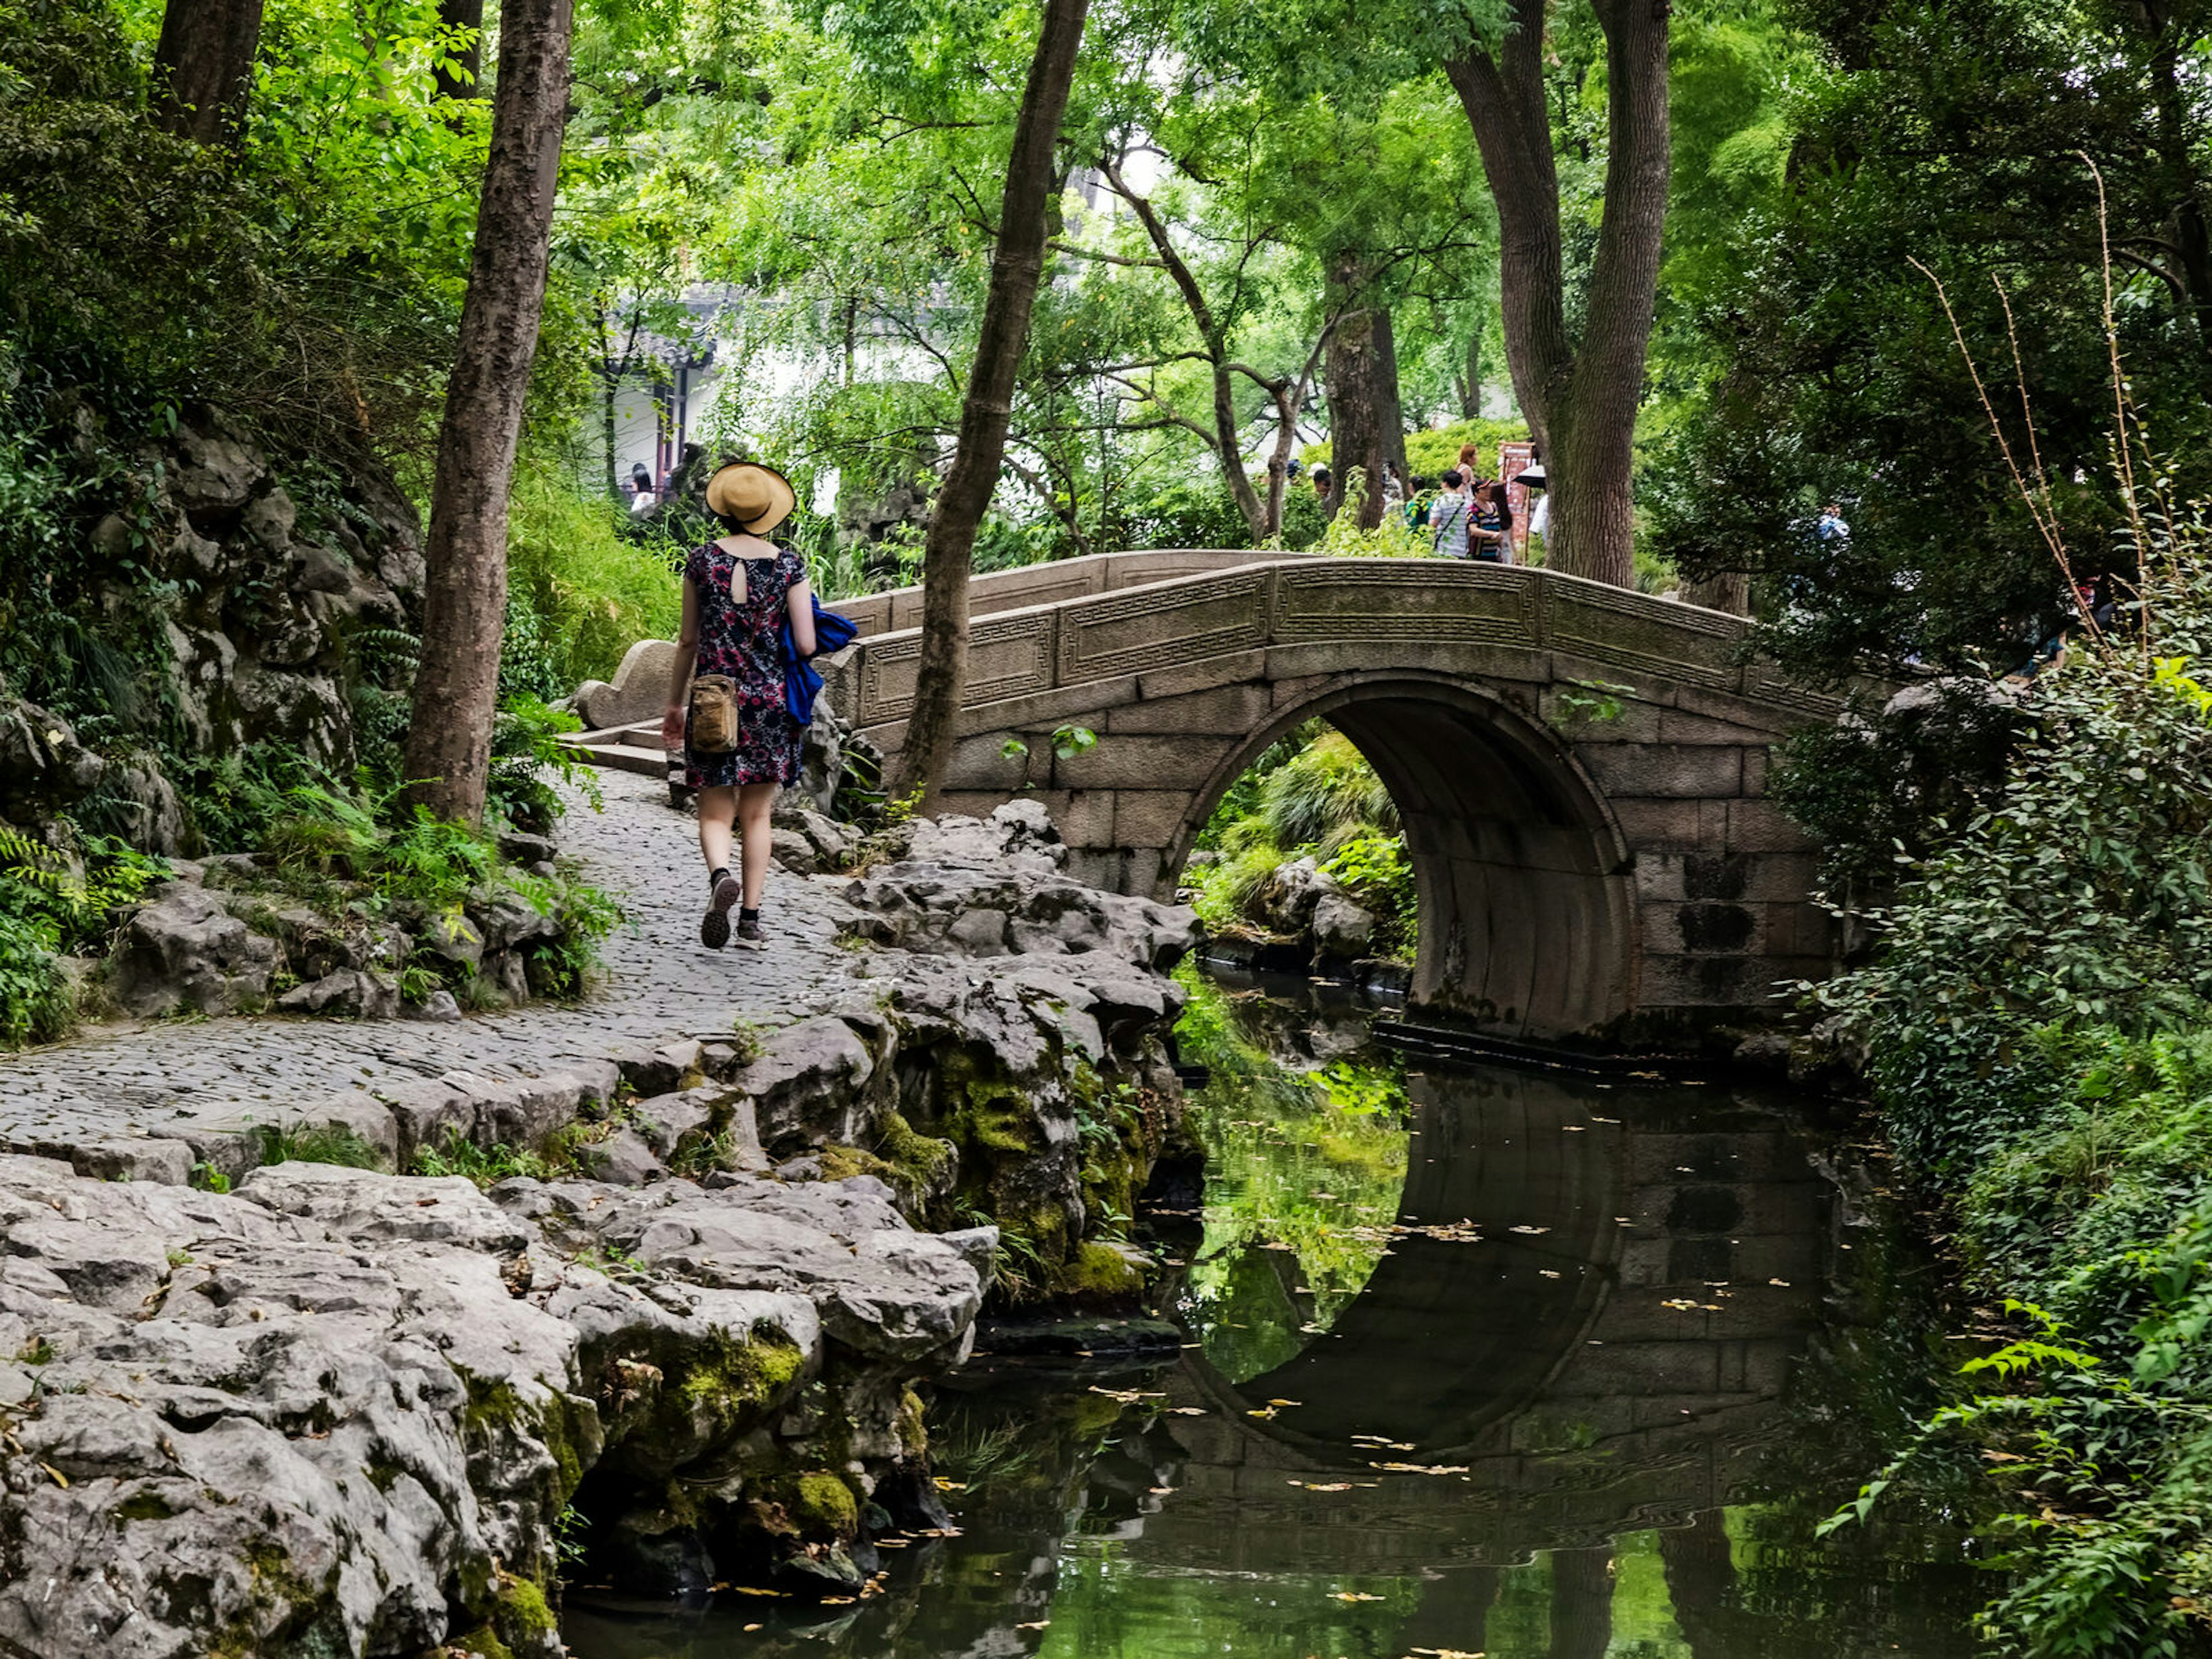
(1478, 1360)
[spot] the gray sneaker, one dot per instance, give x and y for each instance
(749, 934)
(714, 926)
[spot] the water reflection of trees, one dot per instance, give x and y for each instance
(1153, 1520)
(1305, 1158)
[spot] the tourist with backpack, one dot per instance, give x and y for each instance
(742, 594)
(1447, 518)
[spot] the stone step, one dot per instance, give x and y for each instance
(653, 761)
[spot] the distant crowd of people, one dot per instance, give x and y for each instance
(1465, 514)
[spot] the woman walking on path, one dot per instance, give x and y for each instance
(740, 742)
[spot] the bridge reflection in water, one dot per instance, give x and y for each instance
(1611, 1355)
(1621, 1330)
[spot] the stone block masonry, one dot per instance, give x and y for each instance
(1582, 770)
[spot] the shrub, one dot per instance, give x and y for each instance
(51, 905)
(1375, 871)
(2040, 1038)
(581, 593)
(1326, 795)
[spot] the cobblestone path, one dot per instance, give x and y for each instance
(125, 1081)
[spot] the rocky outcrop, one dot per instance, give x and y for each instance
(226, 935)
(273, 617)
(1036, 1091)
(339, 1412)
(991, 887)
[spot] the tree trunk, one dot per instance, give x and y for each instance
(464, 602)
(1701, 1584)
(1581, 1603)
(1580, 398)
(1725, 590)
(204, 67)
(464, 79)
(1469, 385)
(1017, 264)
(1365, 429)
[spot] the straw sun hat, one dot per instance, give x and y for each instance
(758, 497)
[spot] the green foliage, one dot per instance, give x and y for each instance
(2036, 1025)
(1229, 891)
(382, 857)
(525, 748)
(320, 1143)
(1591, 702)
(1325, 797)
(1805, 359)
(487, 1166)
(579, 593)
(1312, 793)
(1375, 871)
(51, 905)
(1433, 450)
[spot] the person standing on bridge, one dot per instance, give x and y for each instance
(740, 741)
(1447, 518)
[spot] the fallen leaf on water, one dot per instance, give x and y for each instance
(837, 1601)
(1160, 1492)
(750, 1590)
(1356, 1595)
(1595, 1118)
(1549, 1273)
(1421, 1468)
(1286, 1402)
(1572, 1128)
(1265, 1413)
(1679, 1303)
(1127, 1396)
(1335, 1485)
(754, 1627)
(1378, 1442)
(1036, 1624)
(1784, 1283)
(1446, 1653)
(943, 1485)
(1531, 1232)
(1186, 1411)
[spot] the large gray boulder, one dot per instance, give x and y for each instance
(991, 887)
(337, 1412)
(187, 951)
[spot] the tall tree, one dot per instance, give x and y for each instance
(1016, 265)
(1366, 429)
(1578, 391)
(204, 67)
(465, 601)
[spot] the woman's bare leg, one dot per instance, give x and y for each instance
(718, 809)
(754, 803)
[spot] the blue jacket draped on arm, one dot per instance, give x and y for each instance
(801, 685)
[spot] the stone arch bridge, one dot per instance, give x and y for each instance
(1581, 770)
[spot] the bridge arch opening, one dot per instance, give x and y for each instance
(1527, 901)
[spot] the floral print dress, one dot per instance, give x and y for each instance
(745, 641)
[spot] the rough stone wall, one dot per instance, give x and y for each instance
(259, 605)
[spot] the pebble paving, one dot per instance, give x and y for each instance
(130, 1081)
